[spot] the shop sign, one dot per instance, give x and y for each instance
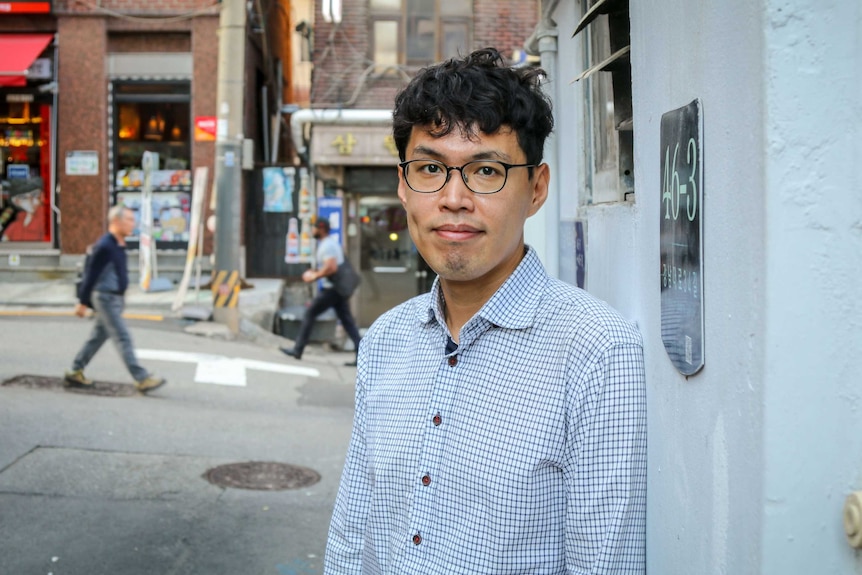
(353, 146)
(17, 171)
(205, 129)
(26, 7)
(82, 163)
(40, 69)
(681, 228)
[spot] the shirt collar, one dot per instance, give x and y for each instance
(513, 305)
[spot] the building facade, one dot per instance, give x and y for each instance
(702, 187)
(93, 86)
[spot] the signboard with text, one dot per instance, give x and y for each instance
(25, 7)
(205, 128)
(681, 237)
(344, 145)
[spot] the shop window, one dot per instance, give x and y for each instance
(419, 32)
(156, 118)
(608, 92)
(25, 168)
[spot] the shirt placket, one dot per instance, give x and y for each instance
(425, 522)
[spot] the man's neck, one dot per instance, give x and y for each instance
(121, 239)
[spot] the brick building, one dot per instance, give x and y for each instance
(86, 87)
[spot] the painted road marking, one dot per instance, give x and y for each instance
(222, 370)
(69, 313)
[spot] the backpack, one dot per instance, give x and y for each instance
(83, 270)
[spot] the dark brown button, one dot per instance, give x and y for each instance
(426, 480)
(437, 419)
(453, 361)
(417, 539)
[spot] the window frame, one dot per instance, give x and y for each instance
(400, 16)
(608, 93)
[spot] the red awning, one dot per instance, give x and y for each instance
(17, 53)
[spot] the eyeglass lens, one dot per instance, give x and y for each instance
(481, 176)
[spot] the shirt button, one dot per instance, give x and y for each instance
(437, 420)
(453, 361)
(426, 480)
(417, 539)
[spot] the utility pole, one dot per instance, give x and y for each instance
(228, 181)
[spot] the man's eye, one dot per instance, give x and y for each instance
(488, 170)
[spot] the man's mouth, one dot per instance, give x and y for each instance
(457, 232)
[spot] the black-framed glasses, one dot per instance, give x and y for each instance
(480, 176)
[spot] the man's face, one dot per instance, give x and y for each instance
(317, 233)
(464, 236)
(127, 222)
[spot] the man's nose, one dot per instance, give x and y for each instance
(455, 194)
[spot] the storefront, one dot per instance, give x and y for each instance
(153, 116)
(27, 135)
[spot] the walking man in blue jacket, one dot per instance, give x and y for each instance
(103, 290)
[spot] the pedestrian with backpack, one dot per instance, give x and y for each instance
(102, 289)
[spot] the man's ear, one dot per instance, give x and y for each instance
(402, 187)
(539, 187)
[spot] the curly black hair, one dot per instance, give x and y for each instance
(476, 92)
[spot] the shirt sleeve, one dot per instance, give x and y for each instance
(328, 249)
(349, 518)
(606, 466)
(98, 261)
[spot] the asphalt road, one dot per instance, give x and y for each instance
(93, 485)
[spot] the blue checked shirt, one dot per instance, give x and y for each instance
(521, 451)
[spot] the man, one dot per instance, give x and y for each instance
(500, 419)
(329, 257)
(103, 289)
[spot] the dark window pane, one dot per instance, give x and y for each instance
(420, 40)
(454, 40)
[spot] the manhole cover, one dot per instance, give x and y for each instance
(103, 388)
(262, 475)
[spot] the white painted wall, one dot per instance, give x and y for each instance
(749, 460)
(813, 282)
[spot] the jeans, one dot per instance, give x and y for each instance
(327, 298)
(110, 323)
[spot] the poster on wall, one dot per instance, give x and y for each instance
(205, 128)
(171, 214)
(331, 209)
(681, 244)
(278, 189)
(82, 163)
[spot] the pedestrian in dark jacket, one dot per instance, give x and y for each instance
(103, 289)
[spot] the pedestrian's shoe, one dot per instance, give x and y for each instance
(292, 352)
(150, 383)
(75, 378)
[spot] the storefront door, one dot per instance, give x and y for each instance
(392, 270)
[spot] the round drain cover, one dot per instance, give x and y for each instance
(262, 475)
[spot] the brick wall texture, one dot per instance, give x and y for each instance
(342, 74)
(87, 31)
